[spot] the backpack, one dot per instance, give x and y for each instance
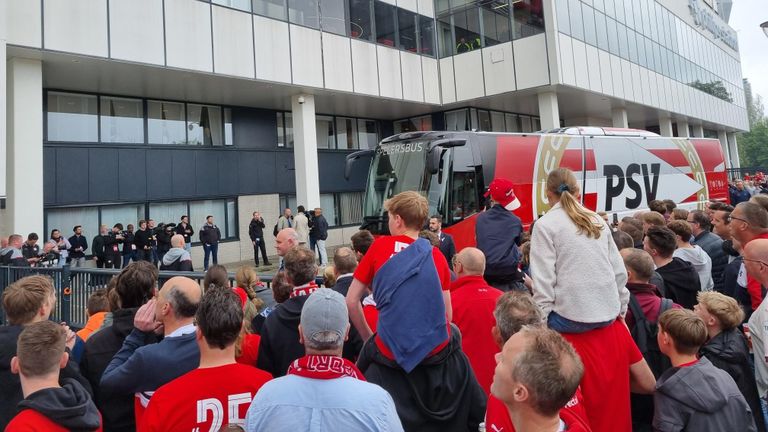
(644, 333)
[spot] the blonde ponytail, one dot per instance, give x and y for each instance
(563, 184)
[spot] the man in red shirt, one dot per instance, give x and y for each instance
(473, 302)
(47, 406)
(407, 214)
(537, 374)
(749, 221)
(220, 391)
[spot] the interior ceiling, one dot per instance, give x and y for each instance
(90, 74)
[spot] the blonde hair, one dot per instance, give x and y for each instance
(563, 184)
(722, 307)
(329, 277)
(247, 278)
(411, 206)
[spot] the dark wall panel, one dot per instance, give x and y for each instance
(50, 176)
(285, 173)
(254, 128)
(182, 173)
(226, 170)
(159, 181)
(103, 174)
(71, 175)
(132, 174)
(205, 176)
(331, 167)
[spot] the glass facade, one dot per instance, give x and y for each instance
(647, 34)
(335, 133)
(467, 25)
(339, 209)
(72, 117)
(490, 121)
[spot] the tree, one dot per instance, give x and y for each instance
(715, 88)
(753, 145)
(755, 108)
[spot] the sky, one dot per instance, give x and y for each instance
(746, 17)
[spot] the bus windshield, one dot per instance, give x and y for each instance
(398, 167)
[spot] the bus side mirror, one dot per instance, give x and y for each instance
(436, 151)
(352, 158)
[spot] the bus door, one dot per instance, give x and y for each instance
(464, 196)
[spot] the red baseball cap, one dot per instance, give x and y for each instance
(503, 192)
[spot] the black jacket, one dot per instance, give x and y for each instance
(116, 411)
(279, 344)
(681, 282)
(441, 394)
(128, 242)
(164, 241)
(319, 230)
(354, 343)
(187, 232)
(256, 229)
(98, 246)
(141, 239)
(447, 247)
(210, 234)
(77, 241)
(13, 257)
(713, 246)
(728, 351)
(10, 386)
(111, 245)
(498, 232)
(32, 251)
(69, 406)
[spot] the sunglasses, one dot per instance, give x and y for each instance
(730, 218)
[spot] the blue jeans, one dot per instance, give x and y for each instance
(127, 258)
(564, 325)
(764, 406)
(210, 249)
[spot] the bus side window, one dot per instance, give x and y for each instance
(463, 198)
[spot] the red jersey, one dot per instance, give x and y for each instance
(754, 288)
(29, 420)
(383, 248)
(204, 399)
(249, 352)
(607, 354)
(497, 416)
(371, 316)
(473, 301)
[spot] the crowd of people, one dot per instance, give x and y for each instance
(574, 324)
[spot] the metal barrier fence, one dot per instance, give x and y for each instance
(73, 286)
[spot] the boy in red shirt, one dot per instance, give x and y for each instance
(220, 391)
(407, 212)
(47, 406)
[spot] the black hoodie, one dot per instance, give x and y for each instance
(728, 351)
(279, 344)
(681, 282)
(10, 386)
(440, 395)
(69, 406)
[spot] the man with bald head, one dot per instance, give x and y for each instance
(140, 368)
(177, 258)
(756, 263)
(473, 303)
(749, 221)
(286, 240)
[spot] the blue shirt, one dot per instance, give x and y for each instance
(293, 403)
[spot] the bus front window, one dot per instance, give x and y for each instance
(399, 167)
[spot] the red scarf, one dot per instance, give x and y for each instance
(304, 290)
(324, 367)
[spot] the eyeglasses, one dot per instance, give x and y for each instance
(730, 218)
(754, 260)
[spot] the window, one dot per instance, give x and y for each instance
(231, 219)
(165, 212)
(563, 19)
(166, 123)
(423, 123)
(360, 19)
(426, 35)
(65, 219)
(122, 120)
(467, 30)
(368, 133)
(406, 21)
(496, 22)
(457, 120)
(204, 125)
(125, 214)
(350, 208)
(385, 23)
(270, 8)
(326, 136)
(527, 125)
(497, 121)
(199, 210)
(445, 36)
(237, 4)
(338, 208)
(328, 204)
(602, 31)
(528, 18)
(484, 120)
(577, 22)
(346, 133)
(72, 117)
(463, 186)
(590, 33)
(280, 130)
(304, 12)
(333, 16)
(512, 122)
(228, 133)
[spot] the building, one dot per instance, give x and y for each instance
(119, 110)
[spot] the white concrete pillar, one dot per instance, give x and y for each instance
(665, 125)
(682, 129)
(305, 151)
(733, 147)
(549, 110)
(24, 160)
(698, 130)
(723, 137)
(2, 104)
(619, 116)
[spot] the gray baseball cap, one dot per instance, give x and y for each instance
(324, 311)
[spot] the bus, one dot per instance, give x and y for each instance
(620, 172)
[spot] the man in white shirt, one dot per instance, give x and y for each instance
(756, 262)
